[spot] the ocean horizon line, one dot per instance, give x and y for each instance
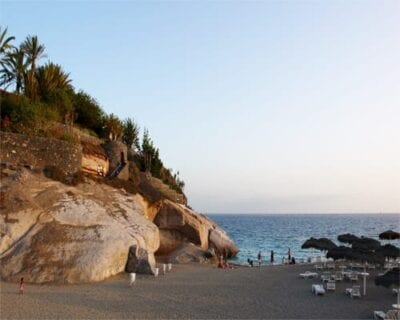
(302, 213)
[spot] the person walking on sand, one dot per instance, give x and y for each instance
(272, 256)
(21, 286)
(289, 255)
(259, 258)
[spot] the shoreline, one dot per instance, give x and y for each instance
(195, 291)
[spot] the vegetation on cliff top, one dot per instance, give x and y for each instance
(43, 97)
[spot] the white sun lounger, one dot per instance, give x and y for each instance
(308, 275)
(390, 315)
(317, 289)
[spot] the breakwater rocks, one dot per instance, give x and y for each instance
(52, 232)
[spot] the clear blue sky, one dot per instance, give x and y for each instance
(263, 107)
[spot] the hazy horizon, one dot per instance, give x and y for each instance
(286, 107)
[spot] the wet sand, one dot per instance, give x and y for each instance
(195, 291)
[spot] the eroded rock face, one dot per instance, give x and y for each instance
(179, 224)
(53, 232)
(187, 253)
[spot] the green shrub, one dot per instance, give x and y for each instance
(88, 112)
(25, 116)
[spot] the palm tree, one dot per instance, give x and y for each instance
(113, 126)
(33, 51)
(5, 41)
(14, 69)
(51, 77)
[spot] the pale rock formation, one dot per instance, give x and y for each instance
(179, 224)
(187, 253)
(53, 232)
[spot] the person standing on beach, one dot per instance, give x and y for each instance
(21, 286)
(272, 256)
(259, 258)
(289, 255)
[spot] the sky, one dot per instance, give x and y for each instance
(263, 107)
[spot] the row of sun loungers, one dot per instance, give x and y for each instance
(327, 276)
(330, 280)
(318, 289)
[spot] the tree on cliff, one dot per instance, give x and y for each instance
(131, 133)
(34, 51)
(150, 159)
(113, 127)
(5, 42)
(50, 78)
(14, 69)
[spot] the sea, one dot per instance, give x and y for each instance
(279, 232)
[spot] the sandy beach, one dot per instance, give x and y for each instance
(195, 291)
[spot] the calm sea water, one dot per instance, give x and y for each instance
(252, 233)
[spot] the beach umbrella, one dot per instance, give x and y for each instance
(389, 235)
(340, 252)
(363, 255)
(322, 244)
(367, 244)
(389, 251)
(390, 278)
(347, 238)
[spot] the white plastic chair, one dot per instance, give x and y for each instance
(132, 278)
(354, 277)
(331, 285)
(317, 289)
(355, 292)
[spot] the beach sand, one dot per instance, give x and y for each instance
(195, 291)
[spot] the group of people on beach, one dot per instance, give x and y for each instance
(291, 259)
(222, 263)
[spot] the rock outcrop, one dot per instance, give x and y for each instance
(187, 253)
(52, 232)
(57, 233)
(179, 224)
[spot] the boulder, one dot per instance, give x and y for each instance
(173, 216)
(178, 224)
(220, 241)
(58, 233)
(170, 240)
(187, 253)
(140, 261)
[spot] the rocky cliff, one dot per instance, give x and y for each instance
(52, 232)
